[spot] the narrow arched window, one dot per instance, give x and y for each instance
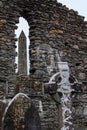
(22, 49)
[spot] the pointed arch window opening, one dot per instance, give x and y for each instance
(23, 26)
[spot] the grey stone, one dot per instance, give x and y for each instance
(53, 27)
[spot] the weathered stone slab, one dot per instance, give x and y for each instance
(21, 114)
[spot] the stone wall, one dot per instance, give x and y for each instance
(54, 29)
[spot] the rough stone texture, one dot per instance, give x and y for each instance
(50, 114)
(2, 109)
(53, 28)
(21, 114)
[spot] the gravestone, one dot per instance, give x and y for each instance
(21, 114)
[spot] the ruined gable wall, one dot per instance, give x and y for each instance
(65, 31)
(52, 28)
